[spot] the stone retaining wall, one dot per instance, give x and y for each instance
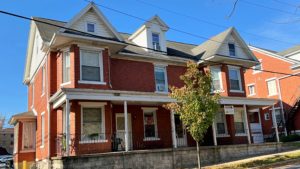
(169, 158)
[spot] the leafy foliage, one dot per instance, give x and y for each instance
(195, 104)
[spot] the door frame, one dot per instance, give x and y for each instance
(184, 138)
(130, 144)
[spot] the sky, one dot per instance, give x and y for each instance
(271, 24)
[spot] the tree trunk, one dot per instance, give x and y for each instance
(198, 155)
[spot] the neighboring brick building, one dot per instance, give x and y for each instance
(6, 137)
(84, 88)
(285, 88)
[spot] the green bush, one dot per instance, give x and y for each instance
(290, 138)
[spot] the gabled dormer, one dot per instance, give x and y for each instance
(151, 34)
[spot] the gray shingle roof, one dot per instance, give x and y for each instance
(289, 50)
(47, 31)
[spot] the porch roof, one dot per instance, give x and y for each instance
(25, 116)
(259, 102)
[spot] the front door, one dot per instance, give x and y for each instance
(180, 132)
(256, 129)
(120, 131)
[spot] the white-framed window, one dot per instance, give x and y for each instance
(91, 66)
(278, 115)
(155, 41)
(258, 68)
(90, 27)
(16, 137)
(150, 123)
(66, 67)
(220, 124)
(251, 88)
(161, 81)
(267, 116)
(28, 136)
(216, 76)
(42, 130)
(239, 121)
(43, 79)
(235, 78)
(32, 92)
(92, 122)
(272, 88)
(231, 48)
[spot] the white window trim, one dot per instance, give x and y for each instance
(220, 77)
(32, 92)
(226, 130)
(93, 105)
(100, 51)
(271, 79)
(42, 130)
(159, 39)
(244, 123)
(239, 78)
(234, 48)
(66, 50)
(164, 67)
(251, 84)
(265, 116)
(147, 110)
(258, 71)
(16, 138)
(86, 27)
(43, 80)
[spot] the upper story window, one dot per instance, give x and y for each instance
(91, 67)
(216, 76)
(257, 68)
(161, 82)
(43, 79)
(251, 89)
(155, 41)
(235, 79)
(231, 48)
(28, 136)
(90, 27)
(272, 88)
(66, 67)
(42, 129)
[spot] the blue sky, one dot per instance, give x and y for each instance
(281, 23)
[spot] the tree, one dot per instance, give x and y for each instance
(195, 103)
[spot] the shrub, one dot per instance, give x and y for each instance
(290, 138)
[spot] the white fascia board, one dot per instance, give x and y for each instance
(247, 101)
(59, 102)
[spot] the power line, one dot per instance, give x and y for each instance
(208, 22)
(100, 37)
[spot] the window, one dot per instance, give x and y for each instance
(251, 89)
(239, 121)
(91, 66)
(43, 79)
(42, 130)
(267, 116)
(16, 137)
(155, 41)
(278, 115)
(231, 48)
(272, 89)
(66, 67)
(32, 92)
(235, 79)
(257, 68)
(90, 27)
(216, 78)
(92, 124)
(161, 79)
(150, 123)
(220, 122)
(28, 136)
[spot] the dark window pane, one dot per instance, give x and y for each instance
(239, 127)
(90, 27)
(234, 84)
(149, 130)
(221, 128)
(231, 49)
(90, 73)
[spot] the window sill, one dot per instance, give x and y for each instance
(218, 91)
(91, 82)
(240, 135)
(42, 146)
(272, 95)
(151, 139)
(64, 84)
(237, 91)
(222, 135)
(159, 92)
(256, 72)
(27, 151)
(92, 141)
(43, 94)
(252, 94)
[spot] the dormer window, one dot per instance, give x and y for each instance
(231, 48)
(155, 41)
(90, 27)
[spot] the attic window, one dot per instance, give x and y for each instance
(155, 41)
(90, 27)
(231, 48)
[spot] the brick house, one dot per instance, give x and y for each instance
(95, 93)
(284, 88)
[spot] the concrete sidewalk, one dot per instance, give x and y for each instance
(263, 157)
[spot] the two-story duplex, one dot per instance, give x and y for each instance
(92, 89)
(284, 87)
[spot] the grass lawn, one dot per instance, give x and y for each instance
(258, 161)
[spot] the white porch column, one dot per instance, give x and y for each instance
(247, 125)
(214, 133)
(67, 126)
(275, 124)
(174, 140)
(126, 125)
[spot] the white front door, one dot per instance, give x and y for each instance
(180, 132)
(120, 130)
(255, 126)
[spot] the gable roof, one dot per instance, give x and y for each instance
(92, 6)
(289, 50)
(24, 115)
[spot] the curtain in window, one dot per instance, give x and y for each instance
(92, 124)
(28, 135)
(90, 66)
(234, 79)
(160, 79)
(239, 121)
(149, 124)
(216, 78)
(66, 67)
